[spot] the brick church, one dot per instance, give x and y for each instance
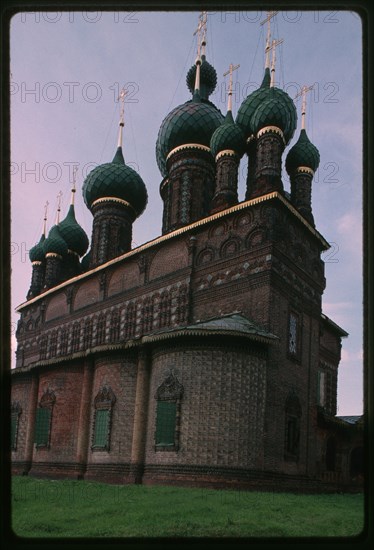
(201, 357)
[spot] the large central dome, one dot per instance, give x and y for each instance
(192, 122)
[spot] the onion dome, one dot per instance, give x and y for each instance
(253, 114)
(250, 104)
(115, 180)
(303, 153)
(228, 136)
(54, 243)
(271, 112)
(85, 262)
(192, 122)
(73, 234)
(36, 253)
(208, 78)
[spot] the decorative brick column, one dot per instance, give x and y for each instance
(226, 194)
(30, 429)
(268, 172)
(52, 270)
(37, 279)
(140, 418)
(84, 417)
(301, 191)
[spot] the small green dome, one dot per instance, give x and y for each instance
(55, 243)
(208, 78)
(73, 234)
(115, 179)
(228, 136)
(250, 104)
(191, 122)
(271, 112)
(36, 253)
(85, 262)
(247, 119)
(303, 153)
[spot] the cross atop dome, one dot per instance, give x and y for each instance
(121, 99)
(45, 218)
(304, 90)
(232, 68)
(270, 15)
(59, 198)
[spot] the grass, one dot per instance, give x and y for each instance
(46, 508)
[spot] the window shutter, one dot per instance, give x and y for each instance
(43, 423)
(101, 428)
(165, 424)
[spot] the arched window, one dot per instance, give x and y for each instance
(168, 397)
(104, 402)
(292, 427)
(43, 421)
(43, 346)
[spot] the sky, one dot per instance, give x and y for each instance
(67, 69)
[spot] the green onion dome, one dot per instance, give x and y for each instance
(116, 180)
(208, 78)
(303, 153)
(73, 234)
(285, 114)
(55, 243)
(250, 104)
(85, 262)
(192, 122)
(228, 136)
(271, 112)
(36, 253)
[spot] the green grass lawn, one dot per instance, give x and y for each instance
(45, 508)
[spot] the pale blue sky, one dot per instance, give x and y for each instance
(67, 70)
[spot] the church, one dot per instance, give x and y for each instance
(202, 357)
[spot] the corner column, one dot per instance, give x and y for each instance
(140, 417)
(84, 418)
(33, 401)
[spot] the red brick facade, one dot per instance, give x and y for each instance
(134, 321)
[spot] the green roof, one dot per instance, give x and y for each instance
(192, 122)
(228, 136)
(55, 243)
(115, 179)
(36, 253)
(303, 153)
(73, 234)
(208, 78)
(249, 119)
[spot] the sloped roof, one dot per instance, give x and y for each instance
(234, 324)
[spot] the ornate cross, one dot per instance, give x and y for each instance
(232, 68)
(304, 90)
(270, 15)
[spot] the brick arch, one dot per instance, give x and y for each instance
(123, 278)
(168, 259)
(218, 230)
(205, 256)
(254, 238)
(244, 219)
(56, 307)
(87, 294)
(230, 247)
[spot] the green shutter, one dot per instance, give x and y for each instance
(42, 428)
(165, 423)
(101, 428)
(13, 430)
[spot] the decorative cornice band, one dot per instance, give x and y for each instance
(53, 255)
(252, 137)
(73, 253)
(36, 262)
(188, 146)
(305, 170)
(273, 129)
(227, 153)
